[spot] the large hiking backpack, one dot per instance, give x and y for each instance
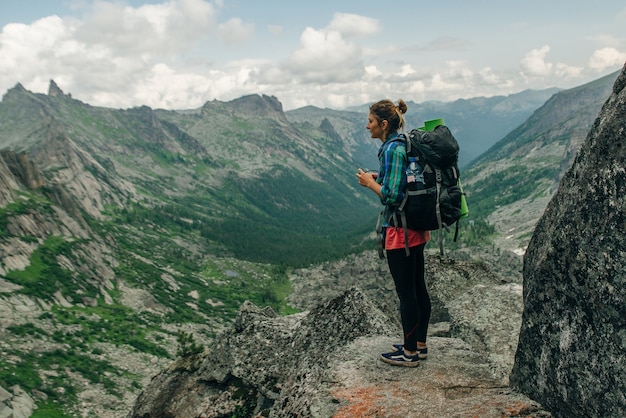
(433, 196)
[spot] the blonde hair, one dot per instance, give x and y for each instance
(387, 110)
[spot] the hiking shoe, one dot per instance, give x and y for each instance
(400, 358)
(422, 352)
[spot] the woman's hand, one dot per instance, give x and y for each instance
(367, 179)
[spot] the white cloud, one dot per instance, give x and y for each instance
(406, 70)
(34, 54)
(535, 67)
(534, 63)
(352, 25)
(20, 44)
(325, 56)
(107, 55)
(565, 71)
(439, 83)
(235, 31)
(487, 76)
(175, 88)
(332, 54)
(372, 71)
(150, 29)
(606, 58)
(170, 53)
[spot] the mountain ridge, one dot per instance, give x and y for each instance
(477, 122)
(513, 181)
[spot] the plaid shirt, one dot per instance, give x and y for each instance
(392, 174)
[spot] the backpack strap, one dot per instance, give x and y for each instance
(380, 244)
(405, 230)
(406, 234)
(438, 181)
(402, 212)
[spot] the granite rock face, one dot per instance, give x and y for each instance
(571, 355)
(264, 362)
(324, 363)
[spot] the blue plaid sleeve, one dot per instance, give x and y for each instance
(392, 178)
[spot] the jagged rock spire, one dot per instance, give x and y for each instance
(54, 90)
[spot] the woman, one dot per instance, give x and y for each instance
(384, 121)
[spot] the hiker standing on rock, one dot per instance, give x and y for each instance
(384, 121)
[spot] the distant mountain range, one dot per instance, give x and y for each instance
(477, 123)
(120, 227)
(511, 183)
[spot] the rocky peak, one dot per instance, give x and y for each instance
(54, 90)
(571, 355)
(14, 91)
(259, 105)
(19, 87)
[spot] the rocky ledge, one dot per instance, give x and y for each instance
(325, 362)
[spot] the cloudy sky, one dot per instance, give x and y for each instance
(178, 54)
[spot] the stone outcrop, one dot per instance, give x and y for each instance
(259, 105)
(8, 182)
(323, 363)
(24, 170)
(267, 358)
(15, 403)
(469, 299)
(571, 355)
(55, 91)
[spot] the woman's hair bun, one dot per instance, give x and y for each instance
(402, 106)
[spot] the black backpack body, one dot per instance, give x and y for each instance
(433, 195)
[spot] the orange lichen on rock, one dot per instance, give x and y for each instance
(362, 402)
(520, 409)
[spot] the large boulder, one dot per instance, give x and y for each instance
(571, 355)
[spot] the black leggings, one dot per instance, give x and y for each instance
(408, 275)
